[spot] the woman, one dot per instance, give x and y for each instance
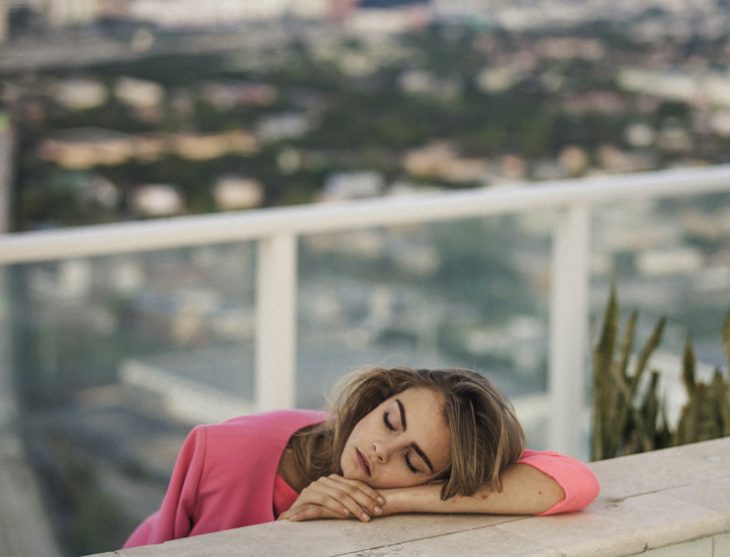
(397, 440)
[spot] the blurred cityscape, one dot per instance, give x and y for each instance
(135, 109)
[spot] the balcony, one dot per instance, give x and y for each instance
(568, 209)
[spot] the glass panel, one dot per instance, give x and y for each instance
(470, 294)
(116, 358)
(669, 258)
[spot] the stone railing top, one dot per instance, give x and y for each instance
(647, 501)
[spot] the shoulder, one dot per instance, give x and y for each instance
(246, 443)
(270, 428)
(277, 418)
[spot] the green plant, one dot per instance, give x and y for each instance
(628, 414)
(707, 412)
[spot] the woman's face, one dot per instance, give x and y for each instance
(401, 443)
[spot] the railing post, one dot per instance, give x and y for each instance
(569, 329)
(276, 312)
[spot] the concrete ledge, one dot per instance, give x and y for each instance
(674, 502)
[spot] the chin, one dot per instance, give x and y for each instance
(353, 475)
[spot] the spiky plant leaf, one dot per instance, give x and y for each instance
(650, 409)
(726, 339)
(689, 368)
(602, 361)
(646, 352)
(721, 396)
(664, 439)
(627, 343)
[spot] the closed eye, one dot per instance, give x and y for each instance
(386, 421)
(410, 466)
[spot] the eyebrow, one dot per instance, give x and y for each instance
(402, 414)
(420, 453)
(414, 446)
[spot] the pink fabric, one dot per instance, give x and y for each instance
(225, 477)
(577, 480)
(284, 495)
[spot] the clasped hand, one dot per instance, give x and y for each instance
(335, 497)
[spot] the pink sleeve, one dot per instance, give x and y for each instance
(576, 478)
(175, 517)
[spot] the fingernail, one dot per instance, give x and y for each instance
(378, 510)
(381, 500)
(365, 517)
(345, 510)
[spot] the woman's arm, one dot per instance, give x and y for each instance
(540, 482)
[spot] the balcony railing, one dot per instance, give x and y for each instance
(276, 232)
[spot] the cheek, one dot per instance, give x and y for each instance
(363, 430)
(355, 439)
(394, 475)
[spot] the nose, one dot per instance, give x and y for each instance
(381, 451)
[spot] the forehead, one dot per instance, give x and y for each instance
(425, 403)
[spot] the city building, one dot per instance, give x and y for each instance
(192, 13)
(157, 200)
(198, 146)
(80, 94)
(226, 95)
(82, 148)
(139, 93)
(287, 125)
(62, 13)
(341, 186)
(237, 192)
(439, 160)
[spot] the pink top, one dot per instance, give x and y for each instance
(284, 495)
(225, 476)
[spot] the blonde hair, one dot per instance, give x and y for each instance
(485, 436)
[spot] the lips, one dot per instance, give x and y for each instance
(364, 462)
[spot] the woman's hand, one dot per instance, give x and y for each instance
(335, 497)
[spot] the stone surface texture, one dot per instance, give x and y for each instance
(670, 503)
(721, 545)
(697, 548)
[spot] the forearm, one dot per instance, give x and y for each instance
(525, 490)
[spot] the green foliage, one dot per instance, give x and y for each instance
(707, 413)
(359, 122)
(629, 416)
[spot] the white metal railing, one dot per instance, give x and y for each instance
(277, 231)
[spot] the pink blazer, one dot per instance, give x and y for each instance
(224, 477)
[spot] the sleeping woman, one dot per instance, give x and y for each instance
(395, 441)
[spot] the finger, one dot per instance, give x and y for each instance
(363, 494)
(313, 512)
(322, 494)
(363, 487)
(335, 498)
(345, 498)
